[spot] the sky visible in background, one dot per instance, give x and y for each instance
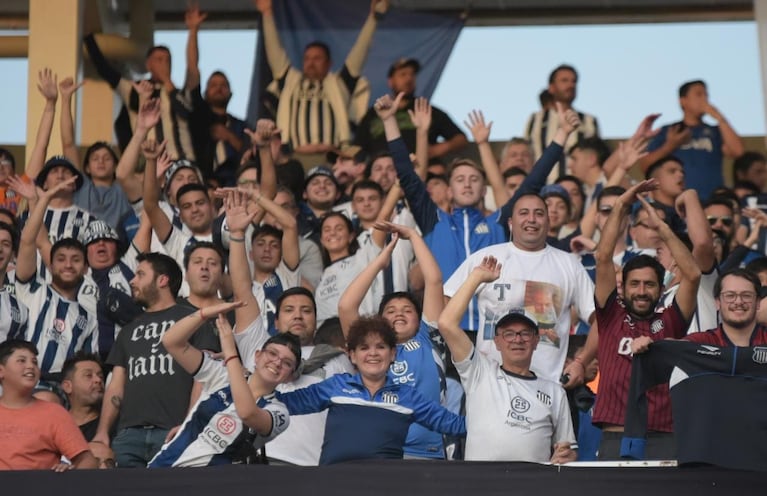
(625, 72)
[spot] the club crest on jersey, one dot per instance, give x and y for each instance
(58, 325)
(543, 398)
(389, 397)
(78, 222)
(398, 368)
(760, 354)
(656, 326)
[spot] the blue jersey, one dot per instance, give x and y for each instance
(420, 363)
(360, 425)
(213, 433)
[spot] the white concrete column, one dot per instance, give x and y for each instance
(760, 16)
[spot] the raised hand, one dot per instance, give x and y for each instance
(235, 206)
(680, 203)
(653, 220)
(379, 6)
(25, 189)
(266, 129)
(220, 308)
(263, 6)
(568, 119)
(630, 151)
(47, 84)
(149, 113)
(582, 243)
(164, 161)
(645, 130)
(479, 130)
(640, 344)
(404, 232)
(65, 185)
(152, 149)
(144, 88)
(67, 87)
(678, 135)
(488, 270)
(385, 107)
(421, 115)
(193, 18)
(631, 194)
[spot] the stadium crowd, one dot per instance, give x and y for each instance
(198, 297)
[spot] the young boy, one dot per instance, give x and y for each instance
(34, 434)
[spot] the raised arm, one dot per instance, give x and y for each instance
(103, 67)
(687, 294)
(351, 299)
(193, 19)
(359, 52)
(46, 85)
(244, 403)
(433, 300)
(732, 145)
(421, 118)
(26, 260)
(643, 134)
(29, 192)
(480, 131)
(160, 222)
(450, 321)
(276, 56)
(148, 116)
(67, 88)
(176, 338)
(676, 136)
(689, 208)
(238, 219)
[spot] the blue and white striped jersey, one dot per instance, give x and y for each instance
(13, 317)
(57, 326)
(212, 433)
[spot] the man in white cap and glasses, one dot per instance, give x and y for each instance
(511, 413)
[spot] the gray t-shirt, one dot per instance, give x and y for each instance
(107, 203)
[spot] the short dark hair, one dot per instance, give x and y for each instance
(68, 369)
(291, 341)
(396, 295)
(200, 245)
(372, 159)
(265, 230)
(745, 274)
(13, 232)
(596, 145)
(69, 243)
(367, 184)
(6, 154)
(750, 186)
(298, 290)
(438, 177)
(660, 162)
(719, 200)
(188, 188)
(154, 48)
(741, 164)
(321, 45)
(514, 171)
(685, 88)
(562, 67)
(365, 326)
(643, 261)
(525, 195)
(757, 265)
(163, 265)
(11, 345)
(610, 191)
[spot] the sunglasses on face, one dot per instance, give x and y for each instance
(726, 220)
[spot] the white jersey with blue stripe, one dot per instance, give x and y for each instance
(212, 433)
(68, 222)
(13, 317)
(57, 326)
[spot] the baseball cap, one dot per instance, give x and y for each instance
(97, 230)
(404, 62)
(517, 315)
(319, 170)
(347, 151)
(558, 191)
(59, 161)
(177, 166)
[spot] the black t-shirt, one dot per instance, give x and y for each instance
(157, 389)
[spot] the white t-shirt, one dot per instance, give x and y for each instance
(337, 277)
(706, 315)
(546, 283)
(511, 417)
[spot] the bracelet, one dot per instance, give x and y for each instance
(237, 240)
(201, 315)
(226, 361)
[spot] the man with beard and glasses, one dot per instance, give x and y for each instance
(623, 319)
(148, 391)
(59, 325)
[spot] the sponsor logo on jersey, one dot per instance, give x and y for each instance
(708, 350)
(226, 424)
(350, 391)
(519, 404)
(481, 228)
(543, 398)
(656, 326)
(760, 354)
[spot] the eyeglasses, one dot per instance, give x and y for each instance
(511, 336)
(731, 296)
(726, 220)
(273, 356)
